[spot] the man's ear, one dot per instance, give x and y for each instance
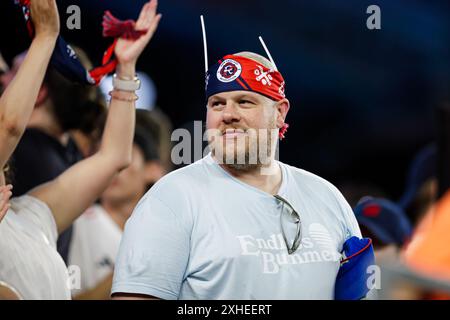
(282, 108)
(42, 95)
(154, 170)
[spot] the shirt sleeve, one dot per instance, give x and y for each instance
(154, 250)
(38, 214)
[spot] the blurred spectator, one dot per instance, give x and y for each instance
(160, 126)
(97, 233)
(385, 223)
(429, 251)
(25, 231)
(29, 260)
(87, 138)
(421, 185)
(61, 106)
(88, 133)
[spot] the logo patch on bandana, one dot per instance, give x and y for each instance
(229, 70)
(264, 77)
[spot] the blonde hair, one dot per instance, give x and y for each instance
(256, 57)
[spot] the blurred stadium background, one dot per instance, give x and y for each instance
(362, 101)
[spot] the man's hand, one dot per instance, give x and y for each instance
(128, 51)
(45, 17)
(5, 195)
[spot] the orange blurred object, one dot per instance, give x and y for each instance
(429, 250)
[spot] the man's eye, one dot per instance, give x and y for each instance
(245, 102)
(216, 103)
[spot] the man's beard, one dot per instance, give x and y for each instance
(246, 153)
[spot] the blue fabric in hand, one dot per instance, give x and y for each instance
(351, 281)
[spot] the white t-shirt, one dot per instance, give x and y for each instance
(200, 233)
(29, 261)
(94, 246)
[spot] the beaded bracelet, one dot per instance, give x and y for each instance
(123, 95)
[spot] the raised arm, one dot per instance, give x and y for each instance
(78, 187)
(19, 98)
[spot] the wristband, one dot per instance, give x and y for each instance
(126, 84)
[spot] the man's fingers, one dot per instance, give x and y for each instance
(154, 25)
(4, 210)
(148, 11)
(142, 14)
(5, 196)
(153, 6)
(147, 14)
(5, 192)
(151, 29)
(8, 187)
(4, 203)
(148, 22)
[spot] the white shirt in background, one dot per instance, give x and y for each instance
(29, 261)
(94, 246)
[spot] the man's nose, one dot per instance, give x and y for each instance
(230, 113)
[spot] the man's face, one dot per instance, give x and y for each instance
(130, 183)
(242, 128)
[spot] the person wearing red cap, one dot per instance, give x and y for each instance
(386, 224)
(238, 224)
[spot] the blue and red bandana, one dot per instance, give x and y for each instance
(234, 73)
(240, 73)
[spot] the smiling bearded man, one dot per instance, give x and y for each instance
(242, 125)
(239, 224)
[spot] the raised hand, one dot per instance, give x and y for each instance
(45, 17)
(128, 51)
